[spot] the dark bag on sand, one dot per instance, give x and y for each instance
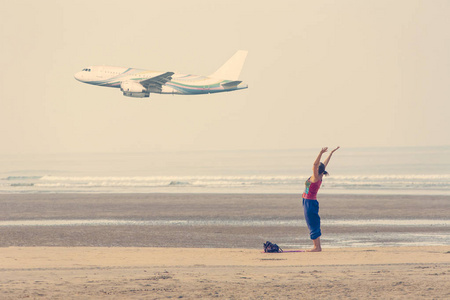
(271, 248)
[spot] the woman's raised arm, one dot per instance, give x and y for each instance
(317, 163)
(329, 156)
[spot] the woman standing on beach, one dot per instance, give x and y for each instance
(310, 203)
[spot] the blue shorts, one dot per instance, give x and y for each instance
(311, 210)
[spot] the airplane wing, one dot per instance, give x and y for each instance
(156, 83)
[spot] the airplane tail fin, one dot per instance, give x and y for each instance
(232, 68)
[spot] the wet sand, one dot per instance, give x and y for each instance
(268, 209)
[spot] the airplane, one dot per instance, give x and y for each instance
(140, 83)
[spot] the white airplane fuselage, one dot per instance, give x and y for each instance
(141, 83)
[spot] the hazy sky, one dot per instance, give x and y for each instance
(350, 73)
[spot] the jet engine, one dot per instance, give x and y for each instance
(134, 89)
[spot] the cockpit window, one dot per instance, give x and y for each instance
(87, 70)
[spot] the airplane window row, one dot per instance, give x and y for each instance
(87, 70)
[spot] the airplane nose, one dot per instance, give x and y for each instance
(78, 76)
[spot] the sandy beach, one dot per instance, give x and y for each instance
(189, 273)
(204, 246)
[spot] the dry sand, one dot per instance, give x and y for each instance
(161, 273)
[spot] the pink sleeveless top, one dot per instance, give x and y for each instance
(311, 189)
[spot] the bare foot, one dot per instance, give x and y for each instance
(316, 246)
(314, 250)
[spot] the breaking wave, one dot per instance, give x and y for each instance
(22, 177)
(232, 184)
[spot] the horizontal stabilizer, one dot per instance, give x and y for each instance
(232, 68)
(231, 84)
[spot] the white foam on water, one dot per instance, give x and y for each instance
(269, 223)
(384, 239)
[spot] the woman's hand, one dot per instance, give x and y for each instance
(325, 149)
(335, 149)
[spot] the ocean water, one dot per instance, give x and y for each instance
(424, 170)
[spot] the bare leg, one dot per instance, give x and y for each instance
(316, 247)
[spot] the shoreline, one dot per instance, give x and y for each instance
(161, 273)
